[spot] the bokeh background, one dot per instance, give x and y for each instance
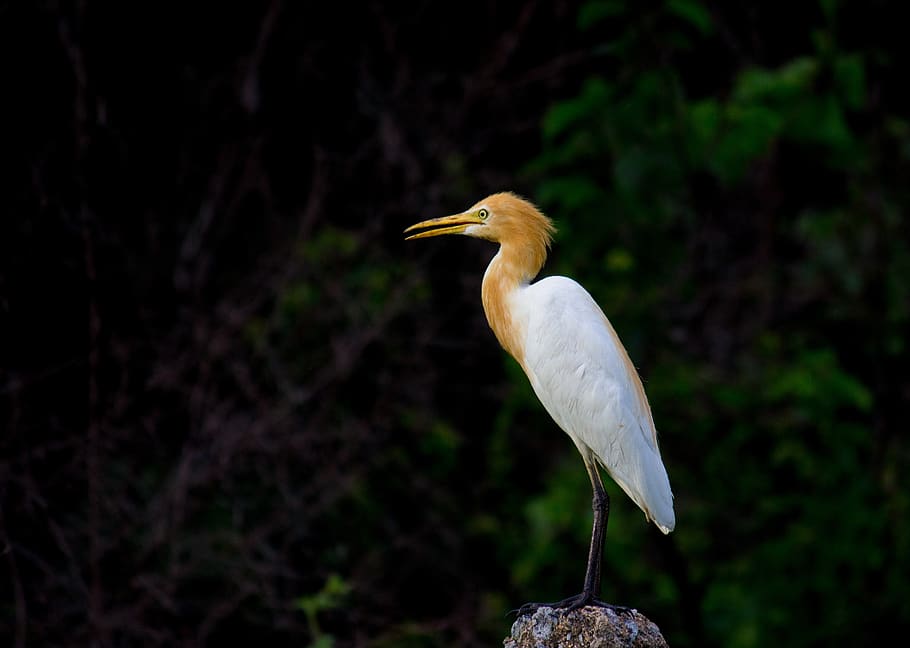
(236, 406)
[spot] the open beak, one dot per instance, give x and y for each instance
(456, 224)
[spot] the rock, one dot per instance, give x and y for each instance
(588, 627)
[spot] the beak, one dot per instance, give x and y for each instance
(456, 224)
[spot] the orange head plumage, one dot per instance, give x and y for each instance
(516, 224)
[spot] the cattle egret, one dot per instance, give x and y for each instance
(577, 366)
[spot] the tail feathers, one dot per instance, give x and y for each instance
(666, 528)
(648, 486)
(660, 499)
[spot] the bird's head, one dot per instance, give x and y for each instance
(504, 218)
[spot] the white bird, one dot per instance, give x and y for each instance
(577, 366)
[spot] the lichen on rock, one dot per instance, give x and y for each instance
(588, 627)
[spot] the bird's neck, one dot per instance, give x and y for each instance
(511, 270)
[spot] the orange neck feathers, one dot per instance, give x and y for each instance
(522, 231)
(524, 235)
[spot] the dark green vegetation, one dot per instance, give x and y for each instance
(237, 406)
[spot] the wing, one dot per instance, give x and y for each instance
(585, 380)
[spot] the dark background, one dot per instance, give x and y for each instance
(236, 406)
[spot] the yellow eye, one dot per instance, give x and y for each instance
(482, 214)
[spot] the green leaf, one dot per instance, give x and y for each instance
(693, 13)
(620, 260)
(850, 77)
(572, 193)
(746, 135)
(328, 597)
(566, 114)
(822, 122)
(760, 84)
(595, 11)
(325, 599)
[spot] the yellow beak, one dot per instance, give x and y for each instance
(456, 224)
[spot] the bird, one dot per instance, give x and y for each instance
(575, 362)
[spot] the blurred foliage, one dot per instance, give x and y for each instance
(779, 437)
(250, 412)
(331, 596)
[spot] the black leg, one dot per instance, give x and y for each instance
(591, 591)
(601, 506)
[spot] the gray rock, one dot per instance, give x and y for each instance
(589, 627)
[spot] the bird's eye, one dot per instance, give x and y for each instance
(482, 214)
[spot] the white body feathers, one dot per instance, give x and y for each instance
(585, 380)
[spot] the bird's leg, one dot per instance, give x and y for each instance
(589, 595)
(601, 505)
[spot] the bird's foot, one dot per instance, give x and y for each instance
(572, 603)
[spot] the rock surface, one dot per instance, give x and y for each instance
(589, 627)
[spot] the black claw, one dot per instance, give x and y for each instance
(572, 603)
